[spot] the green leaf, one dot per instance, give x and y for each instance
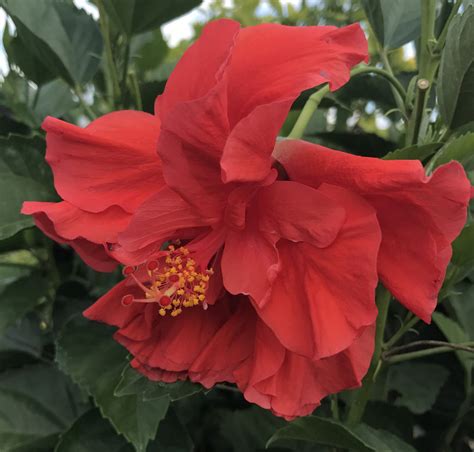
(455, 87)
(395, 22)
(25, 176)
(53, 99)
(21, 297)
(455, 334)
(463, 305)
(463, 254)
(21, 344)
(137, 16)
(63, 37)
(321, 431)
(87, 352)
(418, 384)
(132, 383)
(381, 440)
(460, 149)
(21, 55)
(37, 403)
(148, 50)
(92, 433)
(416, 152)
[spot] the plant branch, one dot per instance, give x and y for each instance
(467, 347)
(362, 395)
(442, 36)
(110, 66)
(315, 99)
(428, 352)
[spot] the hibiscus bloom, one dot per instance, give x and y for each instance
(241, 217)
(102, 173)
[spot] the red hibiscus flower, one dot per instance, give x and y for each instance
(102, 173)
(245, 232)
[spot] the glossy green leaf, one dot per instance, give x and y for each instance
(321, 431)
(21, 297)
(92, 433)
(460, 149)
(63, 37)
(420, 152)
(148, 50)
(455, 334)
(395, 22)
(87, 352)
(37, 403)
(417, 384)
(137, 16)
(132, 383)
(25, 176)
(381, 440)
(463, 304)
(455, 87)
(462, 261)
(172, 435)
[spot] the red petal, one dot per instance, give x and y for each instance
(296, 385)
(111, 162)
(419, 216)
(158, 218)
(71, 222)
(323, 297)
(94, 255)
(299, 213)
(200, 67)
(250, 263)
(284, 61)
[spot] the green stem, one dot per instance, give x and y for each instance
(111, 68)
(422, 353)
(315, 99)
(428, 63)
(308, 110)
(86, 108)
(362, 395)
(409, 323)
(123, 81)
(136, 91)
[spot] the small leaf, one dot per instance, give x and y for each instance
(134, 383)
(24, 176)
(37, 403)
(455, 334)
(137, 16)
(21, 297)
(455, 87)
(395, 22)
(459, 149)
(321, 431)
(420, 152)
(417, 383)
(463, 304)
(63, 37)
(87, 352)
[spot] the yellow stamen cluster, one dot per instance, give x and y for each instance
(176, 282)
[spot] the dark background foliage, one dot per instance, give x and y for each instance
(65, 385)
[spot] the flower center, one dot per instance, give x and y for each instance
(173, 281)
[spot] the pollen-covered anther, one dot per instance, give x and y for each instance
(173, 281)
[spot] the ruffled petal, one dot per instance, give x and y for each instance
(324, 297)
(157, 220)
(93, 254)
(201, 66)
(284, 61)
(111, 162)
(419, 215)
(299, 213)
(71, 222)
(291, 385)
